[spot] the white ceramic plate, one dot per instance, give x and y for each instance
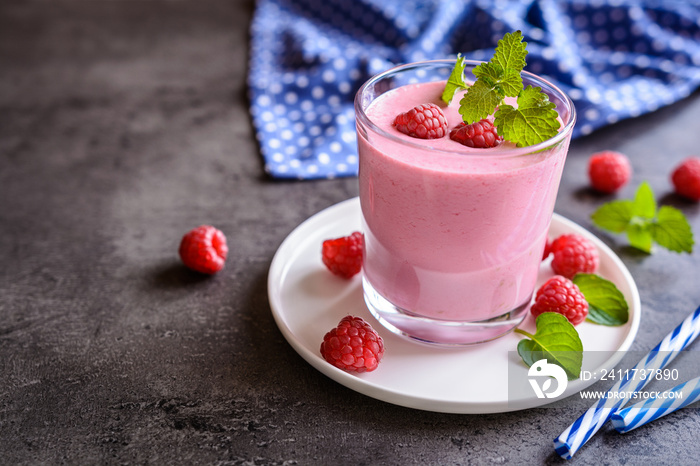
(307, 301)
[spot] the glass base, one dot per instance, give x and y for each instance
(439, 332)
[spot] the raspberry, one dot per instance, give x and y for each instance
(573, 254)
(547, 249)
(686, 178)
(608, 171)
(343, 256)
(425, 121)
(353, 346)
(481, 134)
(561, 295)
(204, 249)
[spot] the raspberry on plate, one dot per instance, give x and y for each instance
(608, 171)
(561, 295)
(425, 121)
(204, 249)
(547, 249)
(343, 256)
(481, 134)
(686, 178)
(573, 254)
(353, 346)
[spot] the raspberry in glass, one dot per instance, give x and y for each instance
(481, 134)
(425, 121)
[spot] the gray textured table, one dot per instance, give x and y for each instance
(122, 125)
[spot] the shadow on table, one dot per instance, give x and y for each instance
(176, 275)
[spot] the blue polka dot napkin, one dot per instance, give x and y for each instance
(615, 58)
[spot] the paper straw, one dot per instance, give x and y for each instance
(578, 433)
(669, 401)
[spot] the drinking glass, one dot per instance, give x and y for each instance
(453, 236)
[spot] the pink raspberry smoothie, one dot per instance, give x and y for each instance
(452, 233)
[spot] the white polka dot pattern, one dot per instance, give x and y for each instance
(615, 58)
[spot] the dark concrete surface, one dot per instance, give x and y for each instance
(123, 124)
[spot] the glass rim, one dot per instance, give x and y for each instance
(563, 134)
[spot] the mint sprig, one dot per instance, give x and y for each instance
(644, 224)
(533, 121)
(556, 340)
(606, 303)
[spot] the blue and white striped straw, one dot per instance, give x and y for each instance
(669, 401)
(578, 433)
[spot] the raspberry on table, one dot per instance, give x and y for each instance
(573, 254)
(204, 249)
(481, 134)
(608, 171)
(343, 256)
(686, 178)
(425, 121)
(561, 295)
(353, 346)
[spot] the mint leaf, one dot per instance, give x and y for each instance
(511, 52)
(672, 230)
(479, 101)
(644, 204)
(606, 304)
(510, 83)
(534, 121)
(492, 85)
(644, 225)
(555, 340)
(639, 234)
(455, 82)
(613, 216)
(504, 81)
